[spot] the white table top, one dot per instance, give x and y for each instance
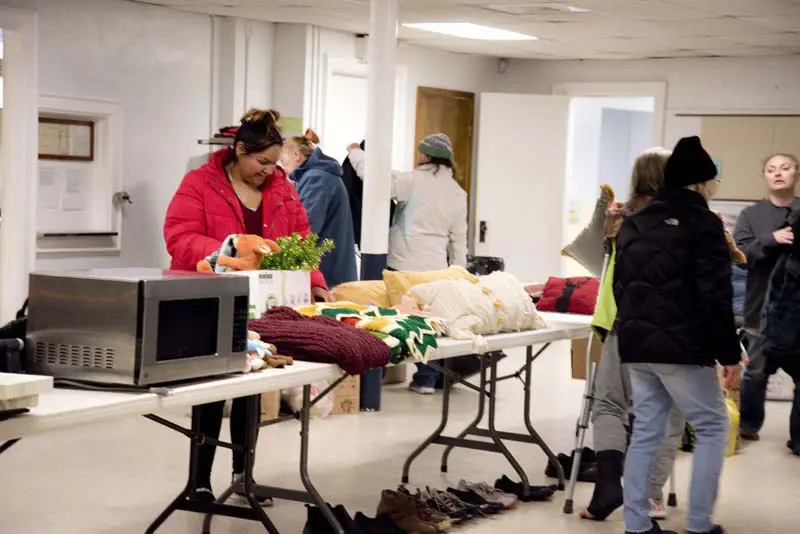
(561, 327)
(67, 408)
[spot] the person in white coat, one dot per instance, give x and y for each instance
(429, 229)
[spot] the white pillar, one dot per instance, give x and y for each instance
(19, 169)
(382, 65)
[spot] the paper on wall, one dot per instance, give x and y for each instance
(48, 195)
(75, 186)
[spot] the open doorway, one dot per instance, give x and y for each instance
(605, 136)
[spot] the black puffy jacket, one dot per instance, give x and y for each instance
(672, 284)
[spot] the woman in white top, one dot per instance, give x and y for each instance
(429, 230)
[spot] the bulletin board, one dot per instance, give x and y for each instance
(739, 144)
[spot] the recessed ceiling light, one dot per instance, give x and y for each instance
(468, 30)
(576, 9)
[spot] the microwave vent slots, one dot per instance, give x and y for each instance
(74, 355)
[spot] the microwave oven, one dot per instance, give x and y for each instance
(136, 327)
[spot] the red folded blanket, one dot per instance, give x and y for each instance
(322, 339)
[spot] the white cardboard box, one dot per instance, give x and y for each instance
(277, 288)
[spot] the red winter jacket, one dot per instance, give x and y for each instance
(205, 210)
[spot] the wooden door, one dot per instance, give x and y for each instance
(452, 113)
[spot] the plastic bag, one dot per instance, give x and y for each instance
(733, 419)
(321, 409)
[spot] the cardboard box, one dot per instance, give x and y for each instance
(579, 346)
(270, 405)
(347, 396)
(277, 288)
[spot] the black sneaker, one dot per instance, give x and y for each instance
(716, 530)
(202, 495)
(239, 491)
(656, 529)
(470, 497)
(535, 493)
(380, 525)
(791, 447)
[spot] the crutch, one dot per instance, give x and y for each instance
(588, 399)
(672, 499)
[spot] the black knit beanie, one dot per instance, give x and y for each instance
(689, 164)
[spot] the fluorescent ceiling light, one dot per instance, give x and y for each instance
(468, 30)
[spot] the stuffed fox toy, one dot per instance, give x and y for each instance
(239, 252)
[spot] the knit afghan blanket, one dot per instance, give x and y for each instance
(409, 336)
(322, 339)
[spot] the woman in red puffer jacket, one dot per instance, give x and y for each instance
(241, 190)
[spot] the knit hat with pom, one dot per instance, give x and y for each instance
(437, 146)
(689, 164)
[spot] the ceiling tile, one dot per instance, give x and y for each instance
(788, 23)
(719, 26)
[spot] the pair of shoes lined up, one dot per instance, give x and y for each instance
(587, 471)
(535, 493)
(434, 510)
(360, 524)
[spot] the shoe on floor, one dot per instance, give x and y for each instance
(657, 510)
(656, 529)
(748, 435)
(448, 504)
(716, 530)
(535, 493)
(795, 449)
(379, 525)
(202, 495)
(422, 390)
(471, 497)
(490, 494)
(587, 471)
(238, 478)
(405, 512)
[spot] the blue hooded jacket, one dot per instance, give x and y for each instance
(324, 196)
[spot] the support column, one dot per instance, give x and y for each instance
(382, 68)
(382, 65)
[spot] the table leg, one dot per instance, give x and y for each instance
(530, 357)
(7, 445)
(493, 433)
(436, 433)
(478, 418)
(194, 450)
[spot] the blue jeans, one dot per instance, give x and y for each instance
(754, 390)
(697, 394)
(425, 376)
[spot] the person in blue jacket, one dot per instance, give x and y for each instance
(318, 179)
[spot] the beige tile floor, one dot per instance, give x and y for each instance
(115, 478)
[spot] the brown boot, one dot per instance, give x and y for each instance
(403, 510)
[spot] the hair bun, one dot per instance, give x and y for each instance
(267, 116)
(311, 136)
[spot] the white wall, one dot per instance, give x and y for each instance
(289, 68)
(763, 84)
(157, 63)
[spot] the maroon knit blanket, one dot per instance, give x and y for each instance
(321, 339)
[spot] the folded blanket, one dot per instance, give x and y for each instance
(321, 339)
(409, 335)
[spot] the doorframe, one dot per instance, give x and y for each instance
(18, 155)
(345, 66)
(656, 90)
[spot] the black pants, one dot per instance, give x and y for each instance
(210, 425)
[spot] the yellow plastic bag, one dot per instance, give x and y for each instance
(733, 419)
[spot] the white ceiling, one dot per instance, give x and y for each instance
(613, 29)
